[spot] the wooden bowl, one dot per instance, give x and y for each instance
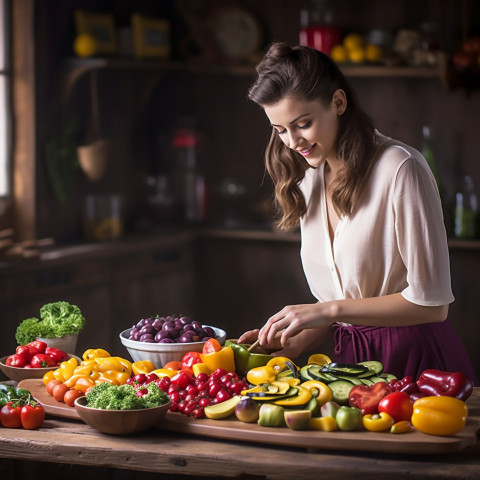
(120, 422)
(17, 374)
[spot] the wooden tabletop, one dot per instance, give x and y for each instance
(68, 441)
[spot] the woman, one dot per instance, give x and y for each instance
(374, 247)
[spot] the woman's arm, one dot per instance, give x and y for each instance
(385, 311)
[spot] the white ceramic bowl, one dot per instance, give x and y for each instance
(161, 353)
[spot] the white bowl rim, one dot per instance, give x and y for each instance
(136, 344)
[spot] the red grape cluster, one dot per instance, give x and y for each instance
(190, 394)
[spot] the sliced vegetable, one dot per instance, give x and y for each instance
(377, 422)
(367, 398)
(341, 391)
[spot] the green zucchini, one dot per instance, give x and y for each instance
(374, 365)
(348, 369)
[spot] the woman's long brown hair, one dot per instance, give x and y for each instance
(312, 75)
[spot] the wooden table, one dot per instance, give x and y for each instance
(70, 443)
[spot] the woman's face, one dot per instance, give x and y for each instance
(308, 127)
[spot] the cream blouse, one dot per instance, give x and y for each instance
(394, 240)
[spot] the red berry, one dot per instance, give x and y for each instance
(214, 389)
(202, 377)
(204, 402)
(222, 395)
(198, 412)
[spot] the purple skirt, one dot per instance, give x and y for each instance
(405, 350)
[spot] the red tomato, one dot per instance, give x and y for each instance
(367, 398)
(190, 359)
(398, 405)
(181, 379)
(70, 396)
(59, 392)
(211, 346)
(10, 416)
(173, 365)
(32, 416)
(52, 384)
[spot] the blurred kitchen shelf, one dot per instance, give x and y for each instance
(74, 68)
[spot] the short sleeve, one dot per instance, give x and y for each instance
(421, 235)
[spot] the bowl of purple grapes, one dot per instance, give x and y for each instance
(166, 339)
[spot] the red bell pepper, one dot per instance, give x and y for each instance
(367, 398)
(16, 360)
(24, 351)
(57, 355)
(39, 345)
(450, 384)
(406, 384)
(41, 360)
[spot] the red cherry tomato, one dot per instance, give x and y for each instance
(10, 416)
(190, 359)
(181, 379)
(32, 416)
(398, 405)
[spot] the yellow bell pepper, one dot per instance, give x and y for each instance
(378, 422)
(279, 364)
(86, 367)
(325, 424)
(58, 375)
(321, 391)
(259, 375)
(440, 415)
(114, 363)
(84, 383)
(164, 372)
(200, 368)
(94, 353)
(403, 426)
(224, 358)
(67, 367)
(47, 377)
(109, 377)
(71, 382)
(143, 366)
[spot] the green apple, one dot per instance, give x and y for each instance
(349, 418)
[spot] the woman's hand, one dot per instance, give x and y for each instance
(291, 320)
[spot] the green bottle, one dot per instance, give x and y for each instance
(466, 210)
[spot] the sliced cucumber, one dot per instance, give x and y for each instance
(354, 380)
(367, 381)
(388, 376)
(305, 374)
(316, 372)
(350, 369)
(341, 391)
(374, 365)
(377, 379)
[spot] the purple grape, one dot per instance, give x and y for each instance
(166, 340)
(147, 329)
(157, 324)
(186, 337)
(147, 337)
(208, 331)
(184, 320)
(161, 335)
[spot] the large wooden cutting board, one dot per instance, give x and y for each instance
(230, 429)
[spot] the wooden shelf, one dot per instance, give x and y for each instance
(75, 68)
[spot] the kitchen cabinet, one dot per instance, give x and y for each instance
(114, 284)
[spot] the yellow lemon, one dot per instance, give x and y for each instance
(373, 53)
(357, 55)
(319, 359)
(339, 53)
(353, 41)
(85, 45)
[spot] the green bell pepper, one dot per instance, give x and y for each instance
(245, 360)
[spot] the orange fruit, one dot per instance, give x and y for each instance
(85, 45)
